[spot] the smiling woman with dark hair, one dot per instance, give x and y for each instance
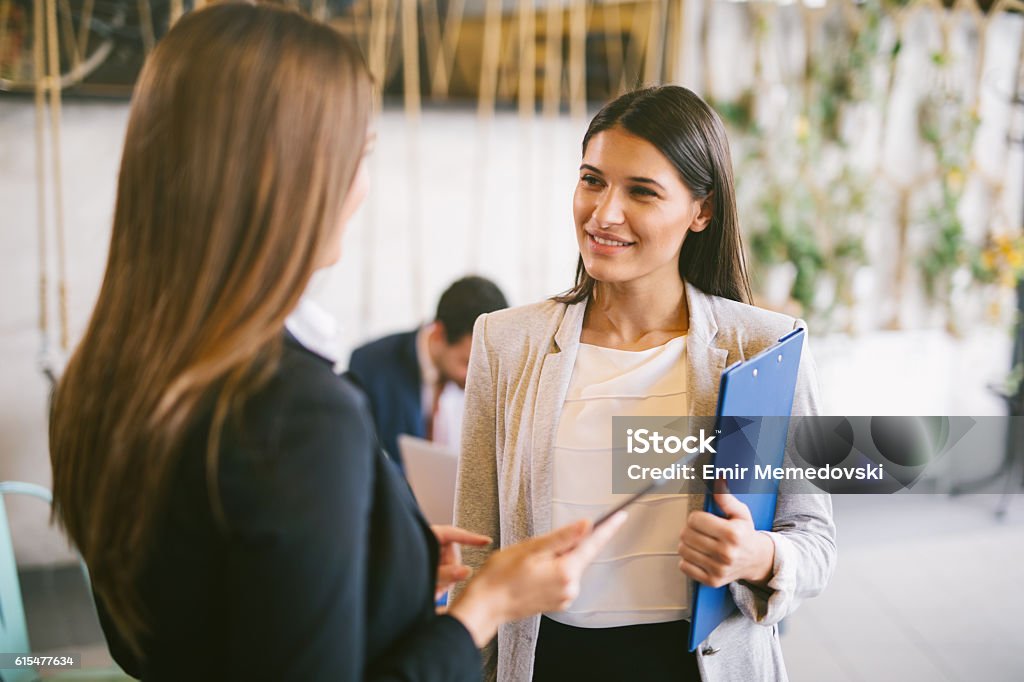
(659, 308)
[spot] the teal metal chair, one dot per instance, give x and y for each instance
(13, 627)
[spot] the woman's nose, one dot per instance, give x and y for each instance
(609, 209)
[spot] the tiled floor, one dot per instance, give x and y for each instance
(926, 588)
(58, 607)
(61, 618)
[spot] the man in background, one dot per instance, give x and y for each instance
(416, 380)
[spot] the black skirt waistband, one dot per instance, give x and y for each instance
(653, 651)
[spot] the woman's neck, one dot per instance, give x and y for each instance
(635, 316)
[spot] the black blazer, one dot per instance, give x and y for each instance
(389, 371)
(327, 569)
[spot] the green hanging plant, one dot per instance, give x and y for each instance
(947, 126)
(807, 212)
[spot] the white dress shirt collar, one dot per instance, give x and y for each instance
(314, 328)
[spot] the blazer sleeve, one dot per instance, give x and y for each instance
(476, 485)
(803, 532)
(299, 523)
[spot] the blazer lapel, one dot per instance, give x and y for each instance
(704, 365)
(555, 375)
(704, 360)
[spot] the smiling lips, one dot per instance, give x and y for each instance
(607, 244)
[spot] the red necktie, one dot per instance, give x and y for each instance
(438, 389)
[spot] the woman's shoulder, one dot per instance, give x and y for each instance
(305, 379)
(305, 433)
(738, 313)
(301, 399)
(745, 324)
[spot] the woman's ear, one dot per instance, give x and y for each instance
(704, 213)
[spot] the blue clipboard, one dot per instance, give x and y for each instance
(762, 386)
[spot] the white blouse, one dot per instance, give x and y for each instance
(636, 577)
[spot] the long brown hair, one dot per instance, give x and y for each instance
(246, 130)
(691, 136)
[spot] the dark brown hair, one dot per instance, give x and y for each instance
(691, 136)
(246, 129)
(465, 300)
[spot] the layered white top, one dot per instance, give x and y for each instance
(636, 578)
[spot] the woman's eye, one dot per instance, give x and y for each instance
(644, 192)
(591, 180)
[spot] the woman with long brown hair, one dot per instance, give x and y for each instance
(222, 483)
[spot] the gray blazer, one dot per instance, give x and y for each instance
(521, 364)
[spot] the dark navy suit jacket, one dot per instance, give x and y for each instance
(389, 372)
(324, 570)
